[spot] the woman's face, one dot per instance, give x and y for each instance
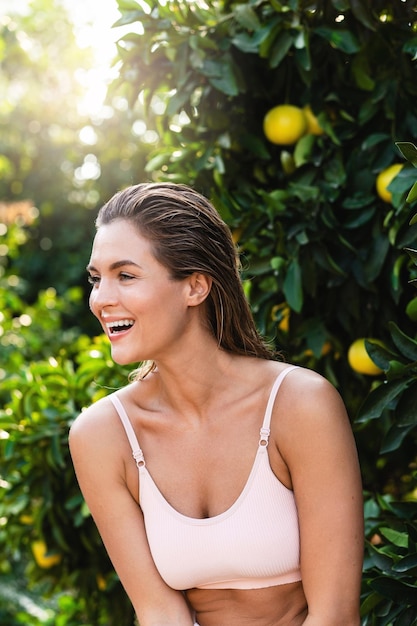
(142, 310)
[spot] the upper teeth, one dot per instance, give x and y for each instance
(119, 323)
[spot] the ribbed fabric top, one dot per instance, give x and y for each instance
(254, 544)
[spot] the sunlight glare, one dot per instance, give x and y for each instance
(93, 29)
(88, 135)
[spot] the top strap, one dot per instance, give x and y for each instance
(134, 444)
(265, 430)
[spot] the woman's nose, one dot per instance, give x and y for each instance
(102, 295)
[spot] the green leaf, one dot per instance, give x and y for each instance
(157, 161)
(394, 438)
(411, 309)
(342, 39)
(267, 37)
(255, 144)
(303, 149)
(292, 287)
(361, 218)
(407, 407)
(396, 590)
(407, 617)
(411, 252)
(380, 560)
(412, 194)
(280, 49)
(397, 369)
(323, 258)
(379, 354)
(373, 140)
(379, 399)
(369, 603)
(223, 76)
(406, 511)
(362, 12)
(302, 57)
(245, 43)
(277, 263)
(412, 533)
(396, 537)
(361, 72)
(377, 254)
(56, 450)
(407, 563)
(408, 150)
(406, 345)
(130, 17)
(9, 450)
(246, 16)
(410, 47)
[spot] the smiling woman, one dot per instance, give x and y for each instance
(223, 517)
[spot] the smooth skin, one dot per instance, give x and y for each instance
(197, 418)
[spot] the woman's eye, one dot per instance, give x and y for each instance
(95, 280)
(124, 276)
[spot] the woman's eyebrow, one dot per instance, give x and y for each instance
(113, 266)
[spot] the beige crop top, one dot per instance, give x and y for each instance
(254, 544)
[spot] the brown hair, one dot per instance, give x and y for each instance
(187, 236)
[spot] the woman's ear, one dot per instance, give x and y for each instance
(200, 285)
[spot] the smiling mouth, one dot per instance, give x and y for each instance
(120, 326)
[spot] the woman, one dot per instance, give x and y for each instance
(242, 502)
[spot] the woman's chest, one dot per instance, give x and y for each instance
(199, 472)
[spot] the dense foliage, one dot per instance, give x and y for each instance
(324, 255)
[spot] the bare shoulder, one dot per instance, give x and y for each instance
(314, 436)
(97, 433)
(309, 414)
(306, 395)
(98, 416)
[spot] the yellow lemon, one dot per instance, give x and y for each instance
(360, 361)
(384, 179)
(281, 314)
(236, 235)
(284, 124)
(101, 582)
(42, 558)
(313, 126)
(327, 346)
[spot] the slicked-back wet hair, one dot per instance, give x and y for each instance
(187, 235)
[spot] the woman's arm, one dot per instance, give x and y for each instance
(316, 441)
(96, 444)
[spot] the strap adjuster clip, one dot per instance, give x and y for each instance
(264, 436)
(139, 458)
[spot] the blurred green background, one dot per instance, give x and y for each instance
(327, 254)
